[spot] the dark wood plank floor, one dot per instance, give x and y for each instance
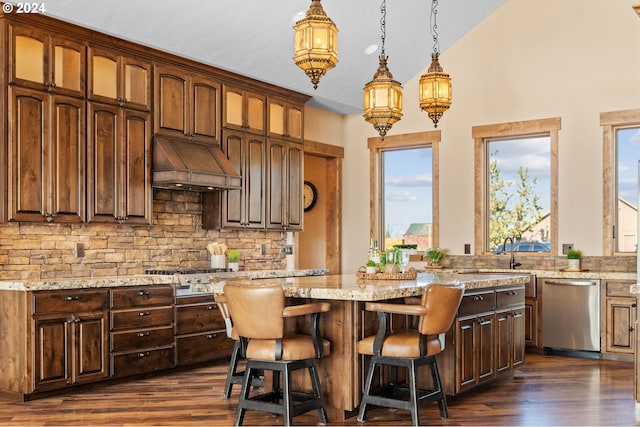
(549, 390)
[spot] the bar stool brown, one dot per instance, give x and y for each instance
(410, 349)
(233, 375)
(258, 313)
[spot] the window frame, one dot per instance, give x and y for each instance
(512, 130)
(398, 142)
(610, 122)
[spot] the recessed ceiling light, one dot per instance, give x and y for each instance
(371, 49)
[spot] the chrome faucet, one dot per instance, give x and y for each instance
(512, 261)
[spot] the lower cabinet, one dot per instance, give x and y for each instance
(487, 339)
(618, 332)
(141, 329)
(200, 331)
(70, 338)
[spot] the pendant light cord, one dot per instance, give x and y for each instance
(383, 11)
(433, 22)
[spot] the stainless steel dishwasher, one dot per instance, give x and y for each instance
(571, 314)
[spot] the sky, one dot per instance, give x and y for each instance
(628, 151)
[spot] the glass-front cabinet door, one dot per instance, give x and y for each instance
(42, 61)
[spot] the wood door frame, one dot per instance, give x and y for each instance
(334, 155)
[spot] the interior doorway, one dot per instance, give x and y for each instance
(318, 246)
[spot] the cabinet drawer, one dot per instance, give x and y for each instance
(619, 289)
(203, 347)
(478, 302)
(198, 318)
(510, 297)
(143, 317)
(195, 299)
(70, 301)
(131, 340)
(139, 362)
(141, 296)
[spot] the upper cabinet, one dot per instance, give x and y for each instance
(47, 157)
(285, 119)
(244, 110)
(116, 78)
(186, 104)
(45, 61)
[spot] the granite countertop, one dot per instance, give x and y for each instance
(141, 280)
(348, 287)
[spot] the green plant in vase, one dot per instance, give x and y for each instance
(434, 255)
(573, 259)
(233, 255)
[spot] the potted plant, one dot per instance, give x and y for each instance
(434, 255)
(232, 256)
(371, 267)
(573, 259)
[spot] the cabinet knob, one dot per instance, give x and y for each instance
(72, 298)
(512, 293)
(633, 305)
(630, 328)
(144, 334)
(143, 293)
(211, 336)
(478, 298)
(211, 307)
(143, 313)
(143, 354)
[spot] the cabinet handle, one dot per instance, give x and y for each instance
(478, 298)
(512, 293)
(633, 305)
(630, 328)
(143, 293)
(145, 354)
(211, 307)
(73, 298)
(210, 336)
(144, 334)
(143, 313)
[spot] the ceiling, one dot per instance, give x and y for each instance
(255, 38)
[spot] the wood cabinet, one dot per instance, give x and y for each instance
(285, 119)
(119, 168)
(200, 331)
(141, 328)
(533, 316)
(285, 177)
(187, 104)
(70, 337)
(244, 110)
(619, 317)
(117, 78)
(47, 61)
(47, 157)
(245, 208)
(510, 329)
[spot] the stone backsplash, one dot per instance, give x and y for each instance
(176, 240)
(620, 264)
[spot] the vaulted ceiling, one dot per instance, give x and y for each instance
(255, 38)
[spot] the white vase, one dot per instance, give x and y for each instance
(573, 264)
(370, 269)
(234, 266)
(218, 261)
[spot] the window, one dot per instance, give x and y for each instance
(516, 185)
(621, 140)
(404, 188)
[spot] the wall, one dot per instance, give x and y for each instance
(312, 246)
(571, 59)
(176, 240)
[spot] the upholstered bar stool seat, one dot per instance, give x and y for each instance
(258, 313)
(409, 349)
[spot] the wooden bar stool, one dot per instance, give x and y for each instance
(258, 313)
(410, 349)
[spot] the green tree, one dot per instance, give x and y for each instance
(513, 212)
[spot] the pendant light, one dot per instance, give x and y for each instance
(382, 95)
(435, 86)
(315, 43)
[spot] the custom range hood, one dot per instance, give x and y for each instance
(182, 164)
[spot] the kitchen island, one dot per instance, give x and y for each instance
(486, 341)
(33, 313)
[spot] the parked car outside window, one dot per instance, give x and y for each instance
(525, 247)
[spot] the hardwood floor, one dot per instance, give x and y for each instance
(548, 390)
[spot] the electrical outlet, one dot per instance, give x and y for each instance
(287, 249)
(566, 247)
(467, 248)
(263, 249)
(79, 250)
